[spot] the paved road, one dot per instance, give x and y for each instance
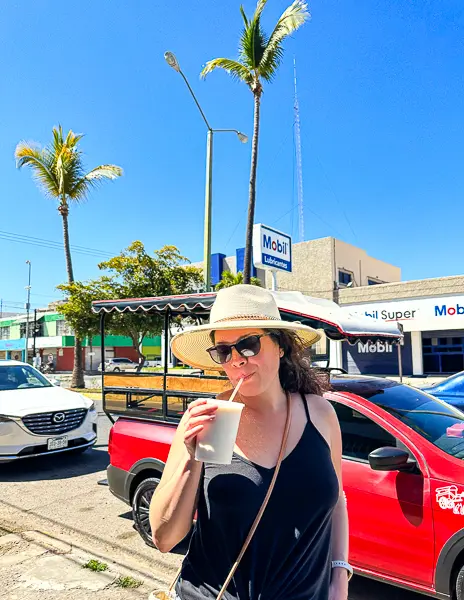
(61, 495)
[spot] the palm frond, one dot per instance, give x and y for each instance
(105, 172)
(67, 159)
(253, 40)
(291, 20)
(244, 17)
(82, 186)
(233, 67)
(259, 8)
(39, 160)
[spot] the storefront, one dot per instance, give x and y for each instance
(434, 337)
(380, 358)
(12, 349)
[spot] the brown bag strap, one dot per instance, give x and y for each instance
(251, 533)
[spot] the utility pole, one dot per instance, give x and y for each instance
(35, 332)
(28, 306)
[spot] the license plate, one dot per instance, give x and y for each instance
(57, 443)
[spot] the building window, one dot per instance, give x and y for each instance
(345, 277)
(62, 328)
(371, 281)
(4, 333)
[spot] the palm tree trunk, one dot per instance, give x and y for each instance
(67, 249)
(78, 367)
(78, 370)
(252, 193)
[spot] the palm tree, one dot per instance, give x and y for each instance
(259, 59)
(59, 172)
(229, 279)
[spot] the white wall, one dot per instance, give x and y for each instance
(417, 357)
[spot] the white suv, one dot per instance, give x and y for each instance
(38, 418)
(114, 365)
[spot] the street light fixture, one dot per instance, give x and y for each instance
(173, 63)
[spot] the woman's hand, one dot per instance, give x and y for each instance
(339, 585)
(198, 413)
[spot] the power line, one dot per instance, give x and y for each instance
(33, 241)
(312, 212)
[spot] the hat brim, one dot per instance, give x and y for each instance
(191, 346)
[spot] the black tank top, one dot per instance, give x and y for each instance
(290, 553)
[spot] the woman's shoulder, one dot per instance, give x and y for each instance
(321, 405)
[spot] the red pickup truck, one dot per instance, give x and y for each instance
(403, 475)
(403, 449)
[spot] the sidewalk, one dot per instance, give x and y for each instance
(37, 566)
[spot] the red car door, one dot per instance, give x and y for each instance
(390, 513)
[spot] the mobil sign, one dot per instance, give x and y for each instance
(419, 314)
(272, 249)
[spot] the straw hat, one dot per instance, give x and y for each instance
(236, 307)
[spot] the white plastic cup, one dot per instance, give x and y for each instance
(215, 443)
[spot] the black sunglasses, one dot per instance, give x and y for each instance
(246, 347)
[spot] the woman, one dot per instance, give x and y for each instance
(300, 548)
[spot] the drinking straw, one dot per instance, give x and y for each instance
(237, 387)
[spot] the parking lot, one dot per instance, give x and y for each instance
(61, 496)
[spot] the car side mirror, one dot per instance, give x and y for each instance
(391, 459)
(55, 382)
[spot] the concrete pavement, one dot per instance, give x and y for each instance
(35, 565)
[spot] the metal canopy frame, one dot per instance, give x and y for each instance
(336, 323)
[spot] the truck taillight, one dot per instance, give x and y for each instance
(110, 442)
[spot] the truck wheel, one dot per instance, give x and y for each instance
(459, 588)
(141, 506)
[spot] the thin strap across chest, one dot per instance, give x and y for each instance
(305, 404)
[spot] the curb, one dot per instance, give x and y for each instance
(125, 565)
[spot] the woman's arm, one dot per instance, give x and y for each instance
(174, 502)
(340, 533)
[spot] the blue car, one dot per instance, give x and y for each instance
(450, 390)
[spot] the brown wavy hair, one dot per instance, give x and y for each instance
(295, 371)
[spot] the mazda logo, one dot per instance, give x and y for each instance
(59, 417)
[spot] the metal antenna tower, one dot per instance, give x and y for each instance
(299, 164)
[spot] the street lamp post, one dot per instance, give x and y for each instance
(172, 62)
(28, 306)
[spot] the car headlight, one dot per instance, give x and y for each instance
(92, 406)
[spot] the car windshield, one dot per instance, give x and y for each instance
(436, 421)
(19, 377)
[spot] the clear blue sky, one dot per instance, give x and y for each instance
(381, 88)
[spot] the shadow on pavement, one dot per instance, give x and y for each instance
(57, 466)
(127, 515)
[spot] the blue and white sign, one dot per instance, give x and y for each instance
(272, 249)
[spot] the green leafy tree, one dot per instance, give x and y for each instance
(77, 306)
(228, 279)
(137, 274)
(259, 58)
(59, 171)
